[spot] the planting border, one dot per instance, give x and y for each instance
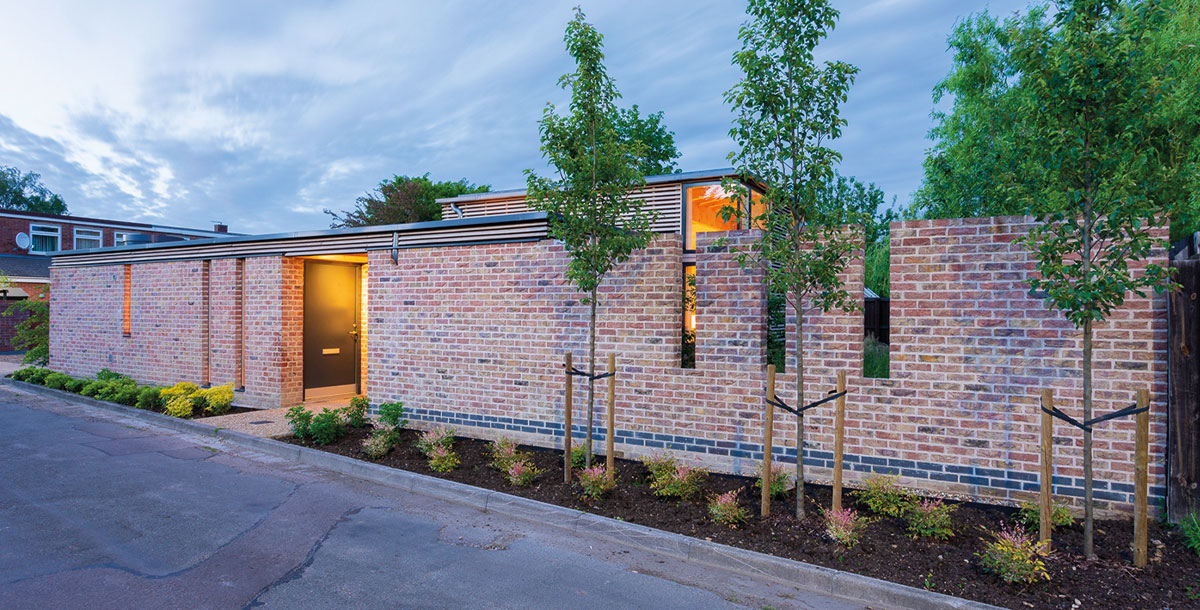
(702, 552)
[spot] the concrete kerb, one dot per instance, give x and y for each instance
(786, 571)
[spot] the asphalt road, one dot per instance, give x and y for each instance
(99, 512)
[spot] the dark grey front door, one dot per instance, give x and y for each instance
(331, 306)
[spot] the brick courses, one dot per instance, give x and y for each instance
(474, 336)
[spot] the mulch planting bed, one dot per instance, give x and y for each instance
(886, 551)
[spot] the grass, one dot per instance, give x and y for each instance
(875, 358)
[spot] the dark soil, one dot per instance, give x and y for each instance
(1171, 580)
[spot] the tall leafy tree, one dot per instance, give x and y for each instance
(865, 204)
(787, 113)
(25, 191)
(1093, 116)
(402, 199)
(986, 142)
(597, 167)
(658, 154)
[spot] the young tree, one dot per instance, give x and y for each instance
(1092, 112)
(787, 113)
(597, 167)
(657, 154)
(402, 199)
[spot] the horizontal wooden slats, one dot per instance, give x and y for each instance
(665, 200)
(326, 244)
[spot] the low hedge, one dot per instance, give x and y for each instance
(181, 400)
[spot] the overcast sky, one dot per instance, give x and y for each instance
(260, 114)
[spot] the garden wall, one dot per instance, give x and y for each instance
(474, 337)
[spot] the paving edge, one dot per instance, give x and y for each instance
(789, 572)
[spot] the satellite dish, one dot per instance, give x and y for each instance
(23, 241)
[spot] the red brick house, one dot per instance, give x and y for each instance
(29, 239)
(466, 321)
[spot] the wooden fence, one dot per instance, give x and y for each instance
(1183, 427)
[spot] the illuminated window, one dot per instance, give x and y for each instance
(127, 304)
(88, 238)
(45, 237)
(688, 357)
(704, 205)
(757, 209)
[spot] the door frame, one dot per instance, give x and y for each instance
(357, 326)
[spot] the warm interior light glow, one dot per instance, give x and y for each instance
(704, 205)
(689, 304)
(127, 304)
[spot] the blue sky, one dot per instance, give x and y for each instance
(260, 114)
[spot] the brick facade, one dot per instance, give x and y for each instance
(474, 336)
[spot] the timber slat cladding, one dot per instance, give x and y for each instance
(666, 200)
(326, 244)
(1183, 429)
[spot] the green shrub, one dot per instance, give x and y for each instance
(181, 389)
(300, 420)
(1031, 515)
(682, 482)
(93, 388)
(781, 482)
(115, 387)
(442, 459)
(217, 400)
(1189, 526)
(845, 526)
(579, 457)
(596, 482)
(438, 436)
(107, 375)
(522, 472)
(356, 413)
(57, 381)
(179, 406)
(31, 374)
(875, 358)
(391, 414)
(725, 509)
(147, 398)
(1015, 557)
(884, 497)
(931, 519)
(32, 333)
(77, 385)
(379, 443)
(327, 426)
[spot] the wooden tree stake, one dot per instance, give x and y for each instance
(839, 421)
(611, 431)
(768, 447)
(1141, 479)
(567, 421)
(1045, 521)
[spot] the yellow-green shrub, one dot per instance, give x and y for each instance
(1015, 557)
(177, 399)
(217, 399)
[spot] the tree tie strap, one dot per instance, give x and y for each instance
(1087, 425)
(579, 373)
(782, 405)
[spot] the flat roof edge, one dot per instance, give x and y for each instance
(707, 174)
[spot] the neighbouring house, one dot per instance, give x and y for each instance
(28, 239)
(466, 321)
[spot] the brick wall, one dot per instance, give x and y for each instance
(474, 336)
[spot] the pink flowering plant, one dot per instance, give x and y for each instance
(504, 454)
(442, 459)
(438, 436)
(522, 472)
(595, 482)
(681, 482)
(931, 519)
(845, 526)
(780, 481)
(724, 509)
(1014, 556)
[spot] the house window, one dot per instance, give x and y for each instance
(120, 239)
(88, 238)
(704, 205)
(45, 238)
(688, 356)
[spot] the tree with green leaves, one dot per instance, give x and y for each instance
(657, 153)
(787, 113)
(986, 142)
(401, 200)
(25, 192)
(598, 167)
(1092, 113)
(865, 204)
